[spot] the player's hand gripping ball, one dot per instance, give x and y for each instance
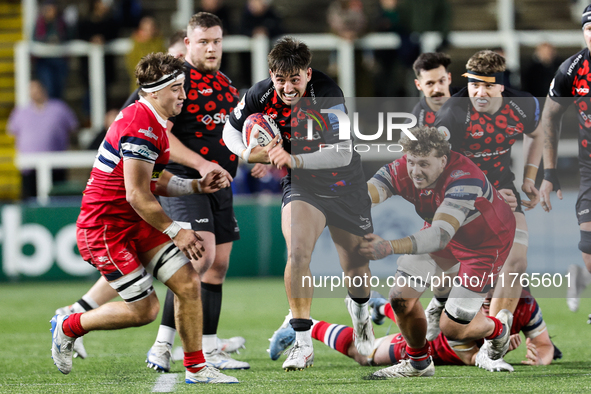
(264, 124)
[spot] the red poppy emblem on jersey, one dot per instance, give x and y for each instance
(210, 106)
(286, 112)
(204, 89)
(220, 97)
(229, 97)
(501, 121)
(232, 157)
(204, 150)
(222, 143)
(206, 79)
(198, 134)
(429, 117)
(195, 74)
(584, 143)
(216, 85)
(583, 105)
(192, 95)
(192, 108)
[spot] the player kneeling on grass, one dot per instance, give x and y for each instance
(125, 234)
(391, 349)
(467, 221)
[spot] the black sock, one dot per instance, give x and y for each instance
(301, 324)
(442, 300)
(359, 300)
(168, 311)
(211, 297)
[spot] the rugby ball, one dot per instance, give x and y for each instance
(264, 124)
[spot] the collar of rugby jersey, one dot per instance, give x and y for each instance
(160, 119)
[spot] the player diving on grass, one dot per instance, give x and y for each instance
(467, 218)
(391, 349)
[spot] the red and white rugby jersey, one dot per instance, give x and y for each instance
(138, 133)
(490, 220)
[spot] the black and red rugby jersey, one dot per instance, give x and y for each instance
(210, 100)
(487, 138)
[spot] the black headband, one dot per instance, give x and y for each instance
(586, 17)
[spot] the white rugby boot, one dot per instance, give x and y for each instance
(208, 375)
(484, 362)
(159, 356)
(231, 345)
(362, 327)
(433, 315)
(403, 369)
(498, 347)
(300, 356)
(221, 360)
(573, 292)
(79, 350)
(61, 345)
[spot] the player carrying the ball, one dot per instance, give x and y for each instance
(323, 186)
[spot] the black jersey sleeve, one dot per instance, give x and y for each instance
(326, 94)
(524, 106)
(563, 82)
(132, 98)
(252, 102)
(451, 118)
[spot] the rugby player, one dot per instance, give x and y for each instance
(323, 187)
(468, 219)
(571, 81)
(485, 119)
(434, 80)
(123, 231)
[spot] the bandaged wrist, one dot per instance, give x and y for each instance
(198, 189)
(530, 172)
(172, 230)
(178, 186)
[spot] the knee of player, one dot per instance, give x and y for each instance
(300, 256)
(190, 288)
(517, 264)
(147, 314)
(402, 306)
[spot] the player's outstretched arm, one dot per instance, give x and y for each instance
(179, 153)
(551, 119)
(540, 350)
(447, 220)
(170, 185)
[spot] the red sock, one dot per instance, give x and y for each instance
(420, 354)
(194, 361)
(335, 336)
(498, 328)
(72, 326)
(389, 312)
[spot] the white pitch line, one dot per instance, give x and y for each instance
(165, 383)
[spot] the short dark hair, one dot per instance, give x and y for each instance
(486, 62)
(177, 36)
(289, 56)
(204, 20)
(427, 139)
(429, 61)
(154, 66)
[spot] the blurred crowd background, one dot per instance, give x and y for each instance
(64, 81)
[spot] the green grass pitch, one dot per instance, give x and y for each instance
(254, 308)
